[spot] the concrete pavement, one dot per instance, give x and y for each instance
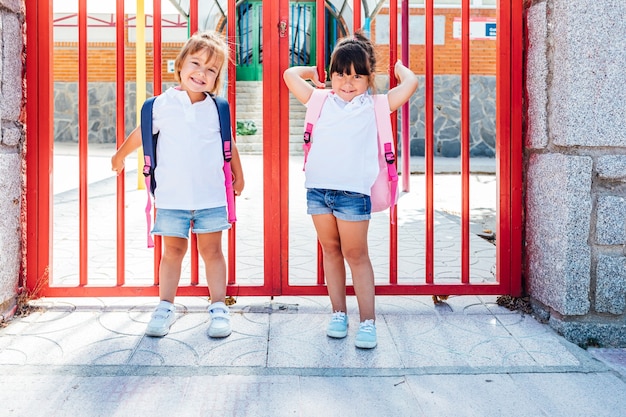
(467, 356)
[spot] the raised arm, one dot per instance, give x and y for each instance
(407, 85)
(296, 80)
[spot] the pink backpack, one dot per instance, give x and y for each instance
(384, 193)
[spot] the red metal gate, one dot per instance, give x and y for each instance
(275, 273)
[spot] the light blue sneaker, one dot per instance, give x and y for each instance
(366, 336)
(338, 326)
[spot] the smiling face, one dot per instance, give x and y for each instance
(198, 74)
(349, 85)
(351, 68)
(198, 66)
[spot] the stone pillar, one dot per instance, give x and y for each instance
(11, 140)
(575, 149)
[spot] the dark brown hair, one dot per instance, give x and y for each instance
(356, 52)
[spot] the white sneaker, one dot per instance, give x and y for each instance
(163, 317)
(220, 320)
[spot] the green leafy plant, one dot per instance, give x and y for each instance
(246, 128)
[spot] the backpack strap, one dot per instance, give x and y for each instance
(223, 112)
(385, 142)
(148, 141)
(313, 110)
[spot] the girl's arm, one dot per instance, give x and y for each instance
(296, 80)
(235, 167)
(399, 95)
(132, 143)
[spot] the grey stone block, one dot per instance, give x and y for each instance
(611, 220)
(11, 75)
(13, 5)
(587, 79)
(536, 77)
(591, 333)
(611, 285)
(557, 224)
(11, 135)
(10, 235)
(611, 167)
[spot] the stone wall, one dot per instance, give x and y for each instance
(11, 141)
(575, 145)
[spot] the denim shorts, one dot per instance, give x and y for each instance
(176, 223)
(344, 205)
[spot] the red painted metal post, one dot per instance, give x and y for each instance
(406, 115)
(120, 23)
(516, 155)
(356, 9)
(465, 140)
(320, 25)
(39, 149)
(320, 40)
(273, 164)
(231, 14)
(193, 16)
(393, 57)
(83, 155)
(429, 145)
(503, 150)
(280, 120)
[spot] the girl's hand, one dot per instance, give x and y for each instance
(238, 185)
(315, 79)
(117, 164)
(400, 71)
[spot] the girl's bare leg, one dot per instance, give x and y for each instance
(210, 249)
(334, 266)
(353, 237)
(174, 249)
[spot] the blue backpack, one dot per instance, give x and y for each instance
(149, 143)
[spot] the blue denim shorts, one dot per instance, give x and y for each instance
(176, 223)
(344, 205)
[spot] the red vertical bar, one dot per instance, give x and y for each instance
(320, 40)
(157, 89)
(193, 16)
(465, 139)
(280, 119)
(393, 57)
(231, 14)
(193, 28)
(321, 65)
(39, 149)
(82, 138)
(516, 153)
(356, 22)
(503, 150)
(156, 47)
(273, 164)
(406, 116)
(120, 136)
(429, 145)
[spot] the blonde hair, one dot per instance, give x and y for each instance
(214, 44)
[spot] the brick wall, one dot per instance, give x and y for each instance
(447, 57)
(101, 57)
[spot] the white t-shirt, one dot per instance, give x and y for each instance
(344, 150)
(189, 171)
